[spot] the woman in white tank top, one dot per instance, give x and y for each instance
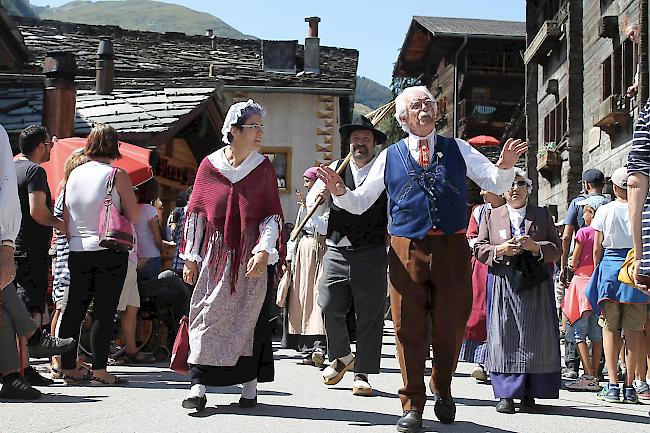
(96, 273)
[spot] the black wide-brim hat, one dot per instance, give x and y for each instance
(362, 123)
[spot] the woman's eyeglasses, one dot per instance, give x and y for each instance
(519, 184)
(259, 128)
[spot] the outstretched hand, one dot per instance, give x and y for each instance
(331, 179)
(511, 152)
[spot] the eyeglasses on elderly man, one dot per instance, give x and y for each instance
(417, 104)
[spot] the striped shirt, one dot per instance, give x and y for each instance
(638, 161)
(61, 273)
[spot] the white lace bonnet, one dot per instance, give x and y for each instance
(234, 113)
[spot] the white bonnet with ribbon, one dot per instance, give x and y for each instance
(234, 114)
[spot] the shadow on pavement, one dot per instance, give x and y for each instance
(352, 417)
(60, 398)
(588, 413)
(375, 392)
(172, 380)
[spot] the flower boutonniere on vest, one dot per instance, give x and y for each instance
(439, 154)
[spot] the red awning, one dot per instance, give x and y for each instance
(483, 140)
(135, 161)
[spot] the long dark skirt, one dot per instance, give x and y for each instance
(523, 354)
(259, 366)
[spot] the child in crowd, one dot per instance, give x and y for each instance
(582, 323)
(148, 232)
(622, 306)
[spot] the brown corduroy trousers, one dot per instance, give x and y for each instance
(430, 279)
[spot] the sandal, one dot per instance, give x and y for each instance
(99, 381)
(77, 380)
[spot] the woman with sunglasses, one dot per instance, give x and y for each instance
(232, 228)
(523, 356)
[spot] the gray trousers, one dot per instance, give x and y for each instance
(354, 278)
(16, 321)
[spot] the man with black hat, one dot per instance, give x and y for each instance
(354, 267)
(593, 181)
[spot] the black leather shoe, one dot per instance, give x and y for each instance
(445, 409)
(247, 402)
(528, 403)
(506, 405)
(410, 422)
(197, 403)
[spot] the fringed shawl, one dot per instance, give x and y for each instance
(233, 213)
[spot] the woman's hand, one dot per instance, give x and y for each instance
(190, 272)
(301, 198)
(642, 282)
(256, 267)
(7, 266)
(527, 243)
(508, 248)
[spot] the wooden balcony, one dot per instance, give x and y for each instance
(544, 41)
(612, 113)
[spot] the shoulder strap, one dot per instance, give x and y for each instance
(109, 186)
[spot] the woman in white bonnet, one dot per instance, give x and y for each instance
(231, 234)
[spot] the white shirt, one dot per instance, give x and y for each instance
(479, 169)
(84, 198)
(146, 244)
(516, 217)
(316, 224)
(269, 228)
(10, 215)
(613, 220)
(359, 175)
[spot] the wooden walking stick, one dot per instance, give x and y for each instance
(319, 201)
(375, 117)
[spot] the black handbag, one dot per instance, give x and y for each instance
(528, 271)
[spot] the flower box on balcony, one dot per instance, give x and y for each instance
(549, 159)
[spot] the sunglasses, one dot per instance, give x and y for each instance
(518, 184)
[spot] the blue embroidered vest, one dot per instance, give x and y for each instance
(421, 200)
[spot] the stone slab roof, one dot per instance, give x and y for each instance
(127, 110)
(443, 26)
(174, 59)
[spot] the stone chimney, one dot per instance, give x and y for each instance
(312, 46)
(104, 68)
(210, 33)
(60, 93)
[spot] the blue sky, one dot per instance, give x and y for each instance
(375, 28)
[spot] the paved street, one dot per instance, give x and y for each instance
(298, 402)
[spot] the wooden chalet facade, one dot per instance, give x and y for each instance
(170, 93)
(579, 65)
(474, 69)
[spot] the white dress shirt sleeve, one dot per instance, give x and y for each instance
(269, 233)
(9, 203)
(486, 175)
(360, 200)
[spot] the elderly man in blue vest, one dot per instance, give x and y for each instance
(429, 259)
